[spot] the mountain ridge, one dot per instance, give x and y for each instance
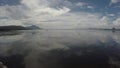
(16, 27)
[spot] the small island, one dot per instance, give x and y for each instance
(15, 27)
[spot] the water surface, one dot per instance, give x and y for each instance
(60, 49)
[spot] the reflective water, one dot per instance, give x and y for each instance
(60, 49)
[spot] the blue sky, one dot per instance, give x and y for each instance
(102, 9)
(101, 6)
(9, 2)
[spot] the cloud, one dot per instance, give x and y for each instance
(10, 22)
(76, 20)
(117, 22)
(112, 15)
(51, 14)
(90, 7)
(114, 1)
(81, 4)
(45, 7)
(11, 15)
(52, 11)
(84, 5)
(32, 9)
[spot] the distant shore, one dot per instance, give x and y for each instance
(14, 27)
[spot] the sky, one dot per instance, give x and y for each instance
(61, 14)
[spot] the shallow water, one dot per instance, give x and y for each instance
(60, 49)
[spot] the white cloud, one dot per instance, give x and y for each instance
(117, 23)
(44, 6)
(76, 20)
(84, 5)
(3, 13)
(10, 22)
(90, 7)
(111, 14)
(51, 14)
(115, 1)
(81, 4)
(12, 12)
(52, 11)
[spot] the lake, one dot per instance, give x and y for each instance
(60, 49)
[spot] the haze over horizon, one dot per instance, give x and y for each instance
(65, 14)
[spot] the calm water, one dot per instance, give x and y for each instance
(60, 49)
